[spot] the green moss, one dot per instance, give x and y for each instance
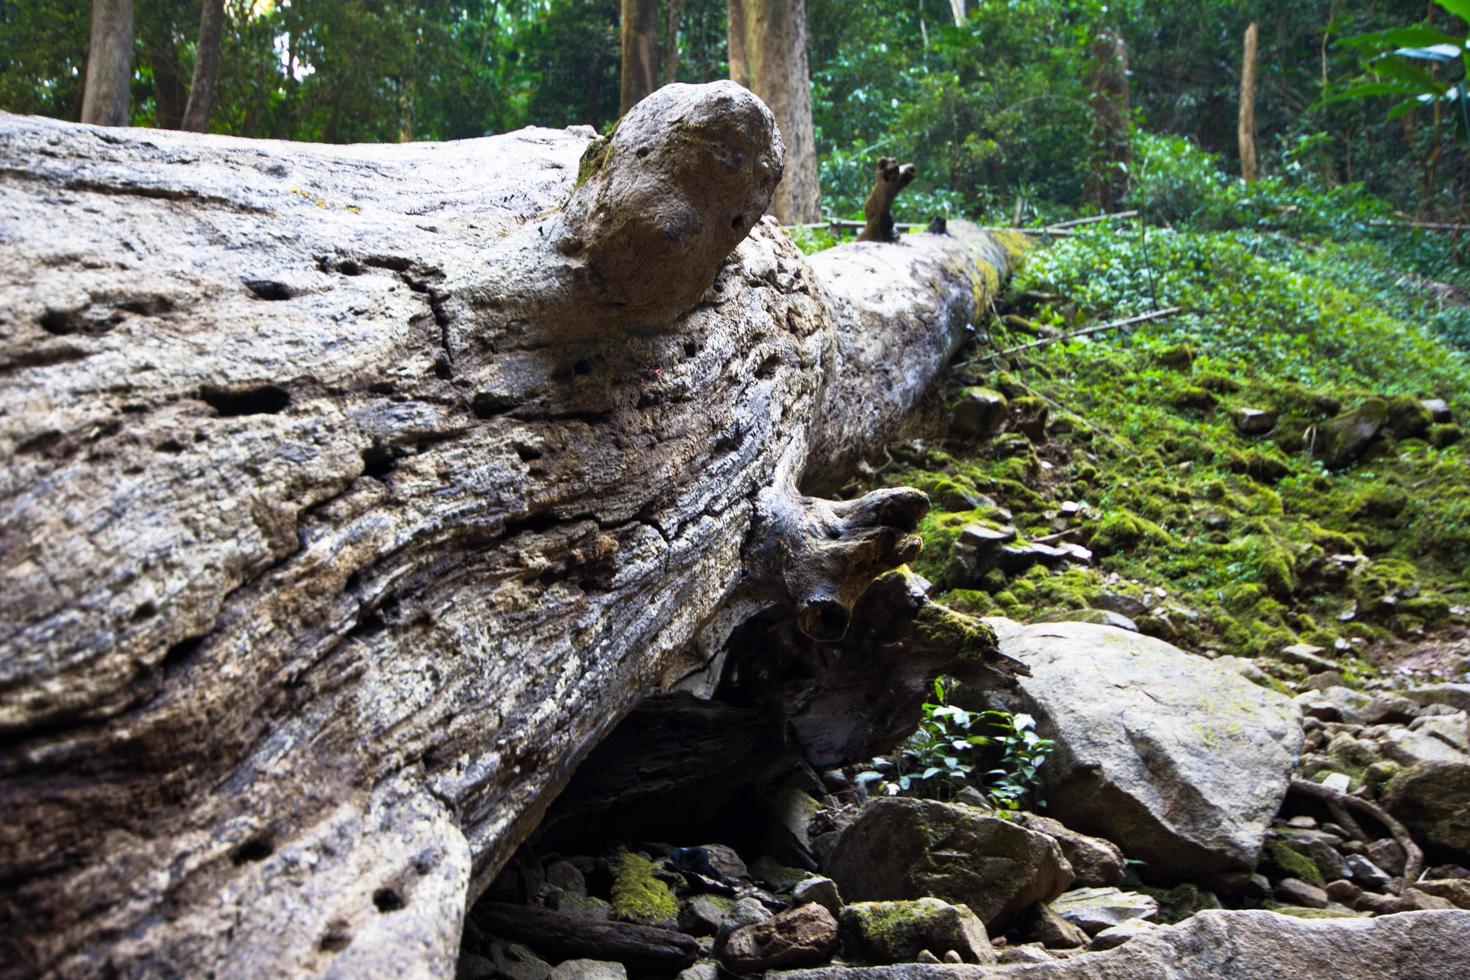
(639, 896)
(1294, 863)
(971, 638)
(595, 157)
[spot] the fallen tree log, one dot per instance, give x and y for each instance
(352, 494)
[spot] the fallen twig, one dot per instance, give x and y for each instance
(1101, 328)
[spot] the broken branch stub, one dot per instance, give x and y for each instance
(663, 199)
(878, 210)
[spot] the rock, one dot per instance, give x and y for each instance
(566, 876)
(978, 412)
(1343, 439)
(821, 890)
(1389, 709)
(1114, 936)
(1297, 892)
(1452, 729)
(900, 848)
(745, 912)
(797, 937)
(1369, 875)
(953, 956)
(925, 956)
(1432, 799)
(1348, 702)
(1337, 781)
(1096, 909)
(473, 966)
(702, 915)
(976, 550)
(1307, 656)
(895, 932)
(1182, 901)
(1253, 421)
(1427, 743)
(512, 961)
(1454, 890)
(1122, 603)
(703, 970)
(1024, 954)
(778, 876)
(1342, 891)
(1182, 760)
(1455, 695)
(1096, 863)
(1040, 924)
(589, 970)
(1098, 617)
(1237, 945)
(1387, 855)
(1423, 901)
(1439, 411)
(1302, 823)
(583, 907)
(1327, 863)
(717, 861)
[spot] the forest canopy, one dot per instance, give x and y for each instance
(998, 106)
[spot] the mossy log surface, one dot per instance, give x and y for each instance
(352, 494)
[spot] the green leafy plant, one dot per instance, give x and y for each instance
(995, 751)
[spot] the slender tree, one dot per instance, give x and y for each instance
(768, 56)
(1109, 95)
(958, 7)
(206, 66)
(671, 42)
(109, 64)
(640, 37)
(1247, 127)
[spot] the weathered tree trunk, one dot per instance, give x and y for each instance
(639, 34)
(206, 66)
(105, 95)
(1108, 91)
(352, 494)
(768, 56)
(1247, 121)
(671, 42)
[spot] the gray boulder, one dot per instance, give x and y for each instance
(1094, 909)
(797, 937)
(901, 848)
(589, 970)
(896, 932)
(1237, 945)
(1096, 863)
(1433, 801)
(1181, 761)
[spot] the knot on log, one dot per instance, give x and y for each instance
(822, 554)
(662, 200)
(892, 177)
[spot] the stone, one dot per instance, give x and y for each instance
(1342, 890)
(1337, 781)
(583, 906)
(719, 861)
(1182, 760)
(975, 551)
(797, 937)
(589, 970)
(927, 956)
(1432, 799)
(1427, 743)
(1236, 945)
(1040, 924)
(1122, 603)
(703, 970)
(567, 877)
(1308, 656)
(1454, 890)
(1420, 900)
(978, 412)
(1253, 421)
(1099, 617)
(1387, 855)
(1096, 909)
(952, 956)
(1348, 702)
(745, 912)
(821, 890)
(1439, 411)
(1114, 936)
(1341, 440)
(512, 961)
(900, 848)
(1369, 875)
(1389, 709)
(1302, 823)
(1096, 863)
(1024, 954)
(895, 932)
(778, 876)
(1455, 695)
(702, 915)
(473, 966)
(1297, 892)
(1453, 728)
(1327, 861)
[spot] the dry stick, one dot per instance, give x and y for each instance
(1075, 222)
(1101, 328)
(1413, 857)
(1431, 225)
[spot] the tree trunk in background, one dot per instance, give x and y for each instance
(768, 56)
(1108, 92)
(109, 64)
(206, 66)
(170, 95)
(640, 39)
(350, 495)
(671, 43)
(1248, 168)
(958, 6)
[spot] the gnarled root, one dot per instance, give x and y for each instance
(1413, 856)
(821, 554)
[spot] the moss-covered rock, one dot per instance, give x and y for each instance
(896, 932)
(637, 893)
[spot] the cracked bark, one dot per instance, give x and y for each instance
(352, 494)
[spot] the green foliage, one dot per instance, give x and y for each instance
(952, 748)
